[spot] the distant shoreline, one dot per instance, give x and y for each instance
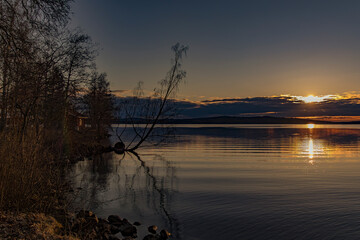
(236, 120)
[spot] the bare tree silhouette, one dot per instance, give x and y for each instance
(143, 114)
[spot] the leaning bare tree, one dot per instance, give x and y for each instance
(142, 114)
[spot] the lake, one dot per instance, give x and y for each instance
(234, 182)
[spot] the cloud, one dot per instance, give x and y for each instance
(280, 106)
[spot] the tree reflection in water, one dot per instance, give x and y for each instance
(164, 206)
(119, 183)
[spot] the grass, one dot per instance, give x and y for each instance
(30, 176)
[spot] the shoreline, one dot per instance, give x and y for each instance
(73, 226)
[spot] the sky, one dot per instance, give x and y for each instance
(237, 49)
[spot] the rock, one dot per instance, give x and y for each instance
(128, 230)
(103, 221)
(122, 225)
(104, 226)
(152, 229)
(119, 147)
(164, 234)
(88, 225)
(114, 219)
(151, 237)
(114, 229)
(136, 223)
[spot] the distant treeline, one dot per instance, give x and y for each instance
(235, 120)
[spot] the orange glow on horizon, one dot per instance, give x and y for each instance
(333, 118)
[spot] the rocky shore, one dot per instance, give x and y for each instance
(71, 226)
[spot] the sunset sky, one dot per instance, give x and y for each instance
(238, 49)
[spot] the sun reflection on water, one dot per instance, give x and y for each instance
(315, 148)
(311, 149)
(310, 125)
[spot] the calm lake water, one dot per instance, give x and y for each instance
(234, 182)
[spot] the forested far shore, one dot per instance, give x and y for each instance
(235, 120)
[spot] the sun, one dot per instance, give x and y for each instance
(314, 99)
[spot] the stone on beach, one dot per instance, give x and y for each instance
(114, 219)
(152, 229)
(82, 225)
(164, 234)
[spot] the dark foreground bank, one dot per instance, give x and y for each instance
(71, 226)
